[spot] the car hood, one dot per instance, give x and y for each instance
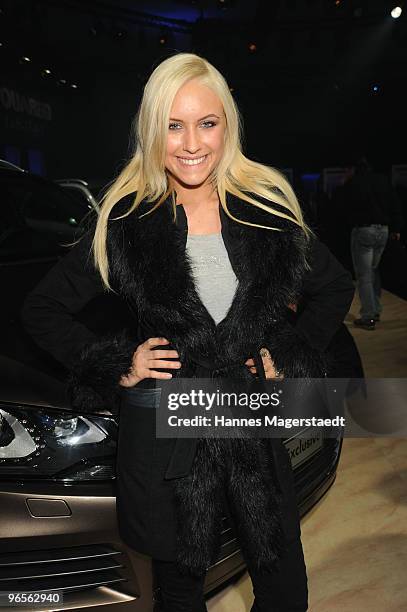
(23, 384)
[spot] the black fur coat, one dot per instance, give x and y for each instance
(150, 269)
(180, 514)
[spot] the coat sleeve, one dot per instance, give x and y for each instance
(326, 298)
(299, 345)
(94, 363)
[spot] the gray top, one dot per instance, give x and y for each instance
(214, 278)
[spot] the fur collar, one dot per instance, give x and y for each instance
(151, 269)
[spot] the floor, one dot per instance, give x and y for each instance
(355, 541)
(384, 350)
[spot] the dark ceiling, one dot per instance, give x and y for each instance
(328, 68)
(129, 33)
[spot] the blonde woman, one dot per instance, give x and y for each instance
(211, 253)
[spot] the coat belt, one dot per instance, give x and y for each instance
(185, 448)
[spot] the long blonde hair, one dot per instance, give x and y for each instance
(145, 173)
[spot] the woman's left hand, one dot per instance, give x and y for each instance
(269, 369)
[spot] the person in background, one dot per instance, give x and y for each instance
(373, 211)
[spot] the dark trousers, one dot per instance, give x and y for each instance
(280, 591)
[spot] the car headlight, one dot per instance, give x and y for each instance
(51, 444)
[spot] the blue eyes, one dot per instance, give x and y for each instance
(207, 124)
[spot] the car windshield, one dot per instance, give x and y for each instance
(36, 216)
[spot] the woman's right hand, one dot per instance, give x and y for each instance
(145, 359)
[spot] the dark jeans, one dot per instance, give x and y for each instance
(282, 591)
(285, 590)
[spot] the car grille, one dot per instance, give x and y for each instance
(316, 469)
(62, 569)
(229, 542)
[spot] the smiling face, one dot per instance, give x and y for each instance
(196, 132)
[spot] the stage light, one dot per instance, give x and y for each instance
(74, 86)
(164, 36)
(25, 59)
(252, 47)
(119, 33)
(396, 12)
(375, 88)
